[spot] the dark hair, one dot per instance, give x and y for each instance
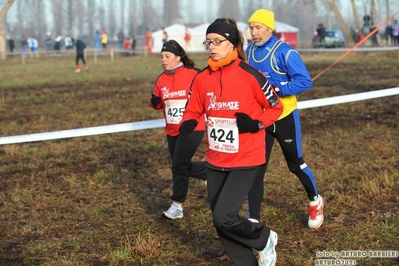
(240, 42)
(187, 62)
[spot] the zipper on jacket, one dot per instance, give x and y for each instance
(220, 81)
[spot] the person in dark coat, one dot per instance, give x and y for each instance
(133, 45)
(48, 43)
(321, 32)
(80, 47)
(388, 34)
(11, 44)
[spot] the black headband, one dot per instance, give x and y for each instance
(223, 29)
(170, 48)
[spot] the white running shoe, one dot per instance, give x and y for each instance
(268, 256)
(77, 70)
(253, 220)
(316, 216)
(175, 211)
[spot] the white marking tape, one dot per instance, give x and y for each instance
(81, 132)
(348, 98)
(90, 131)
(358, 49)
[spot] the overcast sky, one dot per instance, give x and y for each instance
(206, 11)
(201, 6)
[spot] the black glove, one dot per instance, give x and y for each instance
(155, 100)
(246, 124)
(187, 127)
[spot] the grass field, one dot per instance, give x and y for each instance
(98, 200)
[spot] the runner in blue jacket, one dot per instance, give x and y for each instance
(285, 70)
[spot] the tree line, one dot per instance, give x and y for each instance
(84, 17)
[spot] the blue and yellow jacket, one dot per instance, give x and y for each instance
(283, 67)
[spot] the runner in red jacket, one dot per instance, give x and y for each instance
(170, 95)
(239, 103)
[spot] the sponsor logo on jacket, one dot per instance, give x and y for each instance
(215, 105)
(174, 94)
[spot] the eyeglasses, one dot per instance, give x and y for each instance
(215, 42)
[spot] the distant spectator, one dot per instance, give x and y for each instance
(321, 32)
(358, 36)
(187, 39)
(133, 45)
(80, 47)
(388, 34)
(11, 44)
(30, 44)
(164, 36)
(127, 47)
(97, 41)
(48, 42)
(57, 43)
(316, 40)
(374, 41)
(395, 33)
(104, 39)
(24, 45)
(148, 40)
(33, 45)
(121, 39)
(68, 41)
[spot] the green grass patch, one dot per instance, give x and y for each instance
(98, 200)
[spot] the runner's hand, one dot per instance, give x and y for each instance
(155, 100)
(187, 127)
(246, 124)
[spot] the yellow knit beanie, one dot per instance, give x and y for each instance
(263, 16)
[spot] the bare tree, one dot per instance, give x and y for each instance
(150, 18)
(41, 23)
(80, 17)
(64, 13)
(20, 26)
(70, 8)
(373, 12)
(101, 15)
(229, 9)
(91, 15)
(58, 16)
(29, 21)
(3, 13)
(111, 21)
(388, 13)
(355, 15)
(308, 23)
(122, 13)
(280, 9)
(341, 21)
(210, 7)
(171, 12)
(248, 8)
(132, 17)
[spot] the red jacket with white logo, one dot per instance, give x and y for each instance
(173, 87)
(220, 94)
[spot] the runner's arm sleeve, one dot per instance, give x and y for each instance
(271, 104)
(299, 79)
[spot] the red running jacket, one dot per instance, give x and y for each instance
(219, 94)
(172, 88)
